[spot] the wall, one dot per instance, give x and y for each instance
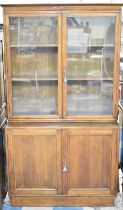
(52, 1)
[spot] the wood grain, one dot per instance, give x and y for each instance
(90, 155)
(91, 165)
(38, 147)
(63, 201)
(35, 159)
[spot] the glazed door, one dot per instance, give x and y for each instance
(90, 65)
(89, 161)
(2, 92)
(34, 161)
(34, 65)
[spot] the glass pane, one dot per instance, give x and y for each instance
(34, 55)
(91, 30)
(34, 62)
(89, 97)
(121, 92)
(121, 63)
(30, 98)
(121, 54)
(90, 60)
(33, 30)
(2, 97)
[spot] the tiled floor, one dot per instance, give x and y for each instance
(5, 207)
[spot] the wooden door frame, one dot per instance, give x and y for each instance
(8, 66)
(112, 117)
(10, 133)
(113, 133)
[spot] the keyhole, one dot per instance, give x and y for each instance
(65, 165)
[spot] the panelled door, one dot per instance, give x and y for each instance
(89, 161)
(62, 161)
(34, 161)
(90, 61)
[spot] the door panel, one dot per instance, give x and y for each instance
(35, 160)
(35, 65)
(89, 65)
(90, 161)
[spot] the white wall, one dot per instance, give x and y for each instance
(1, 15)
(34, 2)
(50, 2)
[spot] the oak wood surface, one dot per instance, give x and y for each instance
(63, 125)
(92, 165)
(89, 153)
(34, 161)
(63, 201)
(62, 7)
(64, 160)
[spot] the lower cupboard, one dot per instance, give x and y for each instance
(62, 165)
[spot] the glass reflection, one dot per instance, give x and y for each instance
(90, 97)
(90, 65)
(33, 30)
(34, 49)
(30, 98)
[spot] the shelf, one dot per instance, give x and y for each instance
(33, 112)
(90, 79)
(31, 79)
(91, 45)
(89, 56)
(33, 45)
(93, 54)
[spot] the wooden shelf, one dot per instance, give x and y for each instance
(55, 79)
(89, 79)
(34, 45)
(91, 45)
(90, 55)
(31, 79)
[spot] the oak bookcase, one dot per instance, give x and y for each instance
(62, 74)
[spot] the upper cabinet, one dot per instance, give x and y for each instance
(63, 64)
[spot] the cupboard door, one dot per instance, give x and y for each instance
(90, 65)
(90, 156)
(34, 65)
(34, 161)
